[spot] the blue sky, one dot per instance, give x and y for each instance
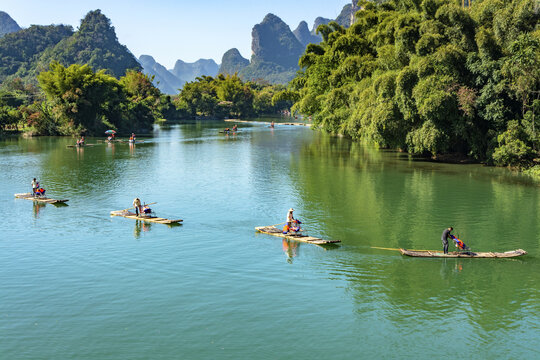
(170, 30)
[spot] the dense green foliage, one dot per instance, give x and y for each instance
(430, 77)
(20, 51)
(26, 53)
(228, 96)
(81, 101)
(94, 44)
(19, 104)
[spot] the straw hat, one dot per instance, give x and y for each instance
(291, 209)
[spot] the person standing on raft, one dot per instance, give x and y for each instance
(444, 238)
(137, 206)
(35, 185)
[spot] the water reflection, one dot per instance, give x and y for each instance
(140, 227)
(37, 206)
(291, 249)
(80, 152)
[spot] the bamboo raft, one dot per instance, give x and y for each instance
(266, 122)
(464, 254)
(272, 230)
(29, 196)
(148, 218)
(80, 146)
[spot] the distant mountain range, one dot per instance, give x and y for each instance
(275, 54)
(170, 81)
(275, 51)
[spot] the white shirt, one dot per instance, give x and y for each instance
(290, 217)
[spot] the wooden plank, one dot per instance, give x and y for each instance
(80, 146)
(154, 219)
(272, 230)
(266, 122)
(465, 254)
(47, 200)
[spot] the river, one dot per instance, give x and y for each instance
(76, 283)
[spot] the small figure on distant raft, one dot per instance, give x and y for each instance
(459, 244)
(36, 190)
(272, 124)
(235, 127)
(40, 192)
(146, 210)
(80, 142)
(444, 238)
(137, 206)
(35, 185)
(292, 224)
(132, 138)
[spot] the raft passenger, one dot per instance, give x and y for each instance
(35, 185)
(444, 238)
(137, 206)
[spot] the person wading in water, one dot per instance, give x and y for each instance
(444, 238)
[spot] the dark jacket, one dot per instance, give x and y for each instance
(445, 235)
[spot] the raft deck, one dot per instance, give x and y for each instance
(29, 196)
(80, 146)
(266, 122)
(463, 254)
(272, 230)
(155, 219)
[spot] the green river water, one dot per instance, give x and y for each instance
(78, 284)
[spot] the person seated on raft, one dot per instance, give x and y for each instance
(146, 210)
(132, 137)
(40, 192)
(80, 142)
(109, 138)
(235, 127)
(292, 224)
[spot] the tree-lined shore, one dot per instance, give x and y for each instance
(430, 77)
(56, 81)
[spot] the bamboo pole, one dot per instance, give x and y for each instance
(394, 249)
(133, 207)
